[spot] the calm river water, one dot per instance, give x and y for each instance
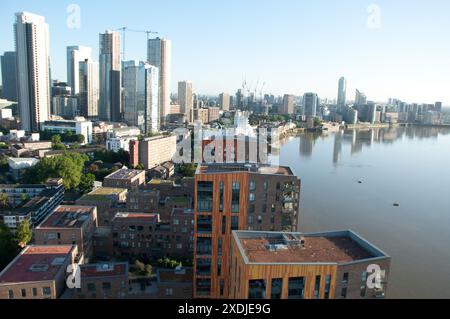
(409, 166)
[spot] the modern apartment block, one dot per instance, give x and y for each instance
(137, 235)
(38, 272)
(125, 178)
(110, 108)
(237, 197)
(185, 99)
(30, 202)
(103, 281)
(141, 95)
(159, 54)
(105, 199)
(9, 76)
(33, 70)
(157, 150)
(89, 89)
(69, 225)
(224, 101)
(288, 104)
(75, 55)
(330, 265)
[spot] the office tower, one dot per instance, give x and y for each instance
(288, 104)
(9, 76)
(239, 100)
(159, 52)
(342, 92)
(310, 104)
(110, 108)
(327, 265)
(236, 197)
(33, 67)
(371, 112)
(360, 98)
(224, 101)
(438, 106)
(75, 55)
(88, 88)
(140, 102)
(185, 99)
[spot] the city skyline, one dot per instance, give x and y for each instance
(383, 60)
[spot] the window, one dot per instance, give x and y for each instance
(169, 292)
(203, 246)
(363, 284)
(205, 196)
(23, 292)
(46, 291)
(219, 246)
(91, 287)
(219, 267)
(10, 294)
(250, 220)
(106, 286)
(277, 288)
(317, 288)
(222, 287)
(224, 225)
(327, 286)
(234, 223)
(203, 287)
(266, 186)
(256, 289)
(34, 292)
(221, 197)
(204, 224)
(203, 267)
(235, 197)
(296, 288)
(252, 185)
(345, 278)
(344, 292)
(251, 208)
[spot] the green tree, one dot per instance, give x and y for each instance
(24, 197)
(86, 183)
(80, 138)
(4, 201)
(8, 246)
(24, 233)
(68, 166)
(188, 170)
(56, 139)
(75, 146)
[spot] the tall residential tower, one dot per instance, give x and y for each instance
(110, 108)
(159, 54)
(185, 99)
(33, 70)
(75, 55)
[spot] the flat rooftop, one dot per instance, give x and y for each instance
(125, 174)
(137, 217)
(182, 212)
(332, 247)
(250, 168)
(104, 270)
(37, 263)
(68, 217)
(103, 193)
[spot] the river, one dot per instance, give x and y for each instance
(353, 178)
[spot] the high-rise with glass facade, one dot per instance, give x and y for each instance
(342, 93)
(159, 52)
(9, 76)
(140, 102)
(88, 89)
(185, 99)
(110, 108)
(75, 55)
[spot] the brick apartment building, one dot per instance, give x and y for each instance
(103, 281)
(69, 225)
(330, 265)
(38, 272)
(125, 178)
(137, 235)
(237, 197)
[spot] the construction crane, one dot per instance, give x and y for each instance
(125, 29)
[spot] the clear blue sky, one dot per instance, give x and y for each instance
(294, 46)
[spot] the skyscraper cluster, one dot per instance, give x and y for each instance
(111, 90)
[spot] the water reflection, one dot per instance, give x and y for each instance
(358, 139)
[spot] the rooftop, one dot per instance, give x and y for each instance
(104, 270)
(37, 263)
(137, 217)
(239, 167)
(125, 174)
(183, 275)
(103, 193)
(331, 247)
(160, 181)
(182, 212)
(68, 217)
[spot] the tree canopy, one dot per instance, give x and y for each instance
(8, 246)
(24, 233)
(68, 166)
